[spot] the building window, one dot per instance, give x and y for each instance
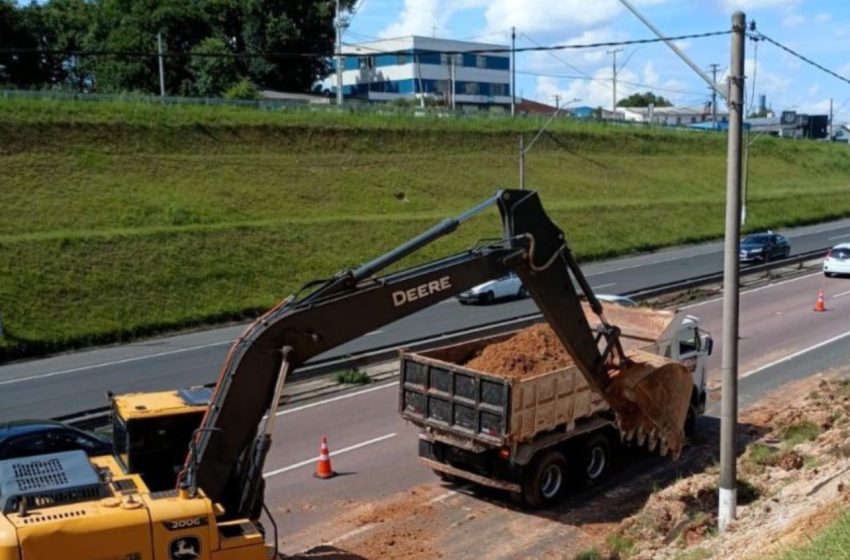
(481, 61)
(499, 89)
(402, 59)
(366, 62)
(470, 88)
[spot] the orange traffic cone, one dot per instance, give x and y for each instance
(820, 305)
(323, 467)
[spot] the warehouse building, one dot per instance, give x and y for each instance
(422, 68)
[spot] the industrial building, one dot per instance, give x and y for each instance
(460, 74)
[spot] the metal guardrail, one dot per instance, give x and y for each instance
(98, 417)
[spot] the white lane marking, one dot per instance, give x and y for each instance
(842, 294)
(373, 333)
(352, 533)
(332, 454)
(113, 363)
(335, 399)
(839, 236)
(449, 494)
(609, 284)
(796, 354)
(752, 291)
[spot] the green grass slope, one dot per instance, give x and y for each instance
(120, 219)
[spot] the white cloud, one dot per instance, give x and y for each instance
(793, 19)
(416, 18)
(823, 17)
(534, 16)
(749, 5)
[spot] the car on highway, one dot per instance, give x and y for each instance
(837, 260)
(506, 287)
(619, 300)
(22, 438)
(764, 247)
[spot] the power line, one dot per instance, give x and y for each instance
(606, 80)
(809, 61)
(315, 54)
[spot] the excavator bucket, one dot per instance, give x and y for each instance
(650, 396)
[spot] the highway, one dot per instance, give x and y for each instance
(783, 339)
(77, 381)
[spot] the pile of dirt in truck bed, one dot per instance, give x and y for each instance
(530, 352)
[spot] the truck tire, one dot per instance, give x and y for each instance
(545, 480)
(597, 458)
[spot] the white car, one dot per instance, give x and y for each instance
(837, 260)
(509, 286)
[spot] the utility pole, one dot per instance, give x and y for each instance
(513, 71)
(521, 162)
(830, 119)
(557, 101)
(731, 282)
(614, 104)
(339, 24)
(452, 79)
(714, 68)
(161, 65)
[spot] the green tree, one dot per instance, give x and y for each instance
(211, 76)
(644, 100)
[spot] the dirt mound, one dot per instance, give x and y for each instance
(532, 351)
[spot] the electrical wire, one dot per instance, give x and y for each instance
(308, 54)
(808, 61)
(606, 80)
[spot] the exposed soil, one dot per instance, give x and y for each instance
(790, 486)
(530, 352)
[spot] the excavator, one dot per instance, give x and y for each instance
(185, 480)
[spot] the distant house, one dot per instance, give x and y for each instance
(531, 107)
(842, 133)
(791, 124)
(671, 116)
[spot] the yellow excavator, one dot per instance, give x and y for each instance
(185, 481)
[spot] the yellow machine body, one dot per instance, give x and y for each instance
(129, 521)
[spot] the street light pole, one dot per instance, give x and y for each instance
(523, 149)
(614, 104)
(513, 71)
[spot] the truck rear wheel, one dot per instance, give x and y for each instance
(545, 481)
(597, 456)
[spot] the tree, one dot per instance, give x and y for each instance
(644, 100)
(212, 76)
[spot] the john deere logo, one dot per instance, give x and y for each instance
(185, 548)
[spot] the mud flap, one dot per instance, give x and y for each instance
(650, 397)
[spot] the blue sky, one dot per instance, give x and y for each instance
(819, 29)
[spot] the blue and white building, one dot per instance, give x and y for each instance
(416, 67)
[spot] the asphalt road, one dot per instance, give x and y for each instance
(77, 381)
(783, 339)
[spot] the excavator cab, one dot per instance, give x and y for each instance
(152, 432)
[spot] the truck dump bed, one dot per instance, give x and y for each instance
(442, 389)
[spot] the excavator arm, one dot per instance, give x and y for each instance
(228, 453)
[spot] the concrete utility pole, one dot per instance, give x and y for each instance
(557, 98)
(339, 24)
(513, 71)
(161, 65)
(614, 104)
(714, 68)
(521, 162)
(731, 282)
(452, 79)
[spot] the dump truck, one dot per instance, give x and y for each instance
(501, 412)
(186, 477)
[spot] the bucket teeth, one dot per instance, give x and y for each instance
(641, 436)
(664, 448)
(653, 441)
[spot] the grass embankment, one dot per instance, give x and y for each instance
(119, 219)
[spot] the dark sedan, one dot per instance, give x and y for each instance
(764, 247)
(23, 438)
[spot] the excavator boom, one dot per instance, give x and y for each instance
(649, 394)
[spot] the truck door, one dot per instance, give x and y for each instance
(689, 352)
